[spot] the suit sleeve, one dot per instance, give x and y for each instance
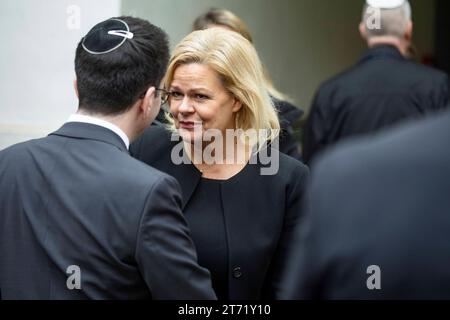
(287, 244)
(165, 252)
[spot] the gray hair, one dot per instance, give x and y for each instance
(387, 22)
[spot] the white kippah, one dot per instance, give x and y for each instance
(385, 4)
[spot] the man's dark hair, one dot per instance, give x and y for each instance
(110, 83)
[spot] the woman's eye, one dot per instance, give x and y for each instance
(176, 95)
(201, 97)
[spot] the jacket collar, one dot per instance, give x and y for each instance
(79, 130)
(102, 123)
(189, 176)
(383, 52)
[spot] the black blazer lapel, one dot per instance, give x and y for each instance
(189, 177)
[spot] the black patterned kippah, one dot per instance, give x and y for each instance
(107, 36)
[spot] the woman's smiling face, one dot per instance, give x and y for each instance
(199, 101)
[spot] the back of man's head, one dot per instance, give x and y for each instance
(111, 80)
(393, 22)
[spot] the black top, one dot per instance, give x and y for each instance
(205, 216)
(382, 202)
(381, 90)
(261, 213)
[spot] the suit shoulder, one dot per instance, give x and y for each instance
(290, 168)
(16, 151)
(426, 71)
(292, 163)
(338, 79)
(409, 143)
(412, 69)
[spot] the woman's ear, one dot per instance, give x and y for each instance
(237, 105)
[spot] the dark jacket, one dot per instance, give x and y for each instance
(77, 198)
(384, 88)
(261, 214)
(288, 114)
(378, 202)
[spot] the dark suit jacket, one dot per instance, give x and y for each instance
(78, 198)
(261, 213)
(382, 202)
(382, 89)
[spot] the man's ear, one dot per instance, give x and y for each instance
(409, 31)
(147, 101)
(363, 30)
(75, 86)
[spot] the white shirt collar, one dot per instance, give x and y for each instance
(101, 123)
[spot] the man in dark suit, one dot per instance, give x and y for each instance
(379, 226)
(80, 218)
(382, 89)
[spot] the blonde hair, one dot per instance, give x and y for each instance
(236, 62)
(222, 17)
(226, 18)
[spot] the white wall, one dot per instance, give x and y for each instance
(36, 63)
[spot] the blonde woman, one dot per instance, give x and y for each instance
(288, 113)
(242, 209)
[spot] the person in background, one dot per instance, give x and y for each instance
(379, 224)
(288, 113)
(382, 89)
(242, 217)
(79, 217)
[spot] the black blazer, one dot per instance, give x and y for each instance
(77, 198)
(382, 89)
(261, 213)
(383, 202)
